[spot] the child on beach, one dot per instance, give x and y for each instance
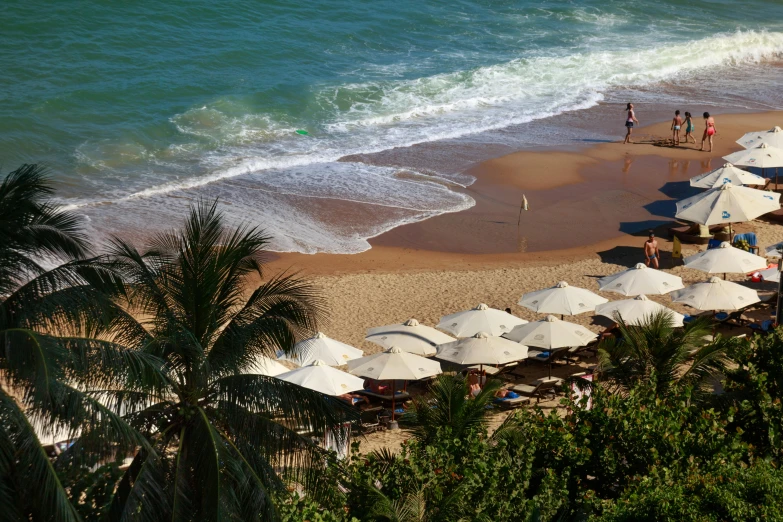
(676, 124)
(629, 121)
(689, 127)
(709, 130)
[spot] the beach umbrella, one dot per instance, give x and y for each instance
(772, 137)
(551, 333)
(764, 157)
(770, 275)
(641, 279)
(266, 366)
(410, 336)
(716, 294)
(322, 378)
(728, 173)
(482, 349)
(321, 348)
(726, 259)
(479, 319)
(394, 365)
(635, 311)
(774, 250)
(561, 299)
(727, 204)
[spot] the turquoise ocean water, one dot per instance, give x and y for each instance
(141, 107)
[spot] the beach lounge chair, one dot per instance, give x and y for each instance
(399, 396)
(369, 420)
(539, 389)
(507, 403)
(764, 327)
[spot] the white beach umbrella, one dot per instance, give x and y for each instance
(551, 333)
(770, 275)
(774, 250)
(394, 365)
(410, 336)
(479, 319)
(716, 294)
(772, 137)
(727, 204)
(764, 157)
(635, 311)
(561, 299)
(726, 259)
(321, 348)
(482, 348)
(728, 173)
(322, 378)
(266, 366)
(640, 279)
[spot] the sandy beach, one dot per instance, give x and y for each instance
(576, 231)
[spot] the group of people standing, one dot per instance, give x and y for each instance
(678, 122)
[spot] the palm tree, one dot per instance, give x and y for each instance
(663, 356)
(42, 379)
(220, 438)
(450, 404)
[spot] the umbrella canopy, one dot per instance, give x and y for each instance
(323, 378)
(774, 250)
(727, 204)
(716, 294)
(764, 157)
(770, 275)
(772, 137)
(728, 173)
(561, 299)
(551, 333)
(726, 259)
(479, 319)
(482, 348)
(640, 279)
(321, 348)
(394, 364)
(409, 336)
(635, 311)
(266, 366)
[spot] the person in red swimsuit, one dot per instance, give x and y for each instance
(709, 130)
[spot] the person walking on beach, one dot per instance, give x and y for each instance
(689, 128)
(709, 130)
(651, 252)
(629, 121)
(676, 125)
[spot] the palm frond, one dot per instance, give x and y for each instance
(278, 313)
(49, 498)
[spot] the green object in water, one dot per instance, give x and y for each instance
(302, 132)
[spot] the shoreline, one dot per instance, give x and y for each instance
(580, 202)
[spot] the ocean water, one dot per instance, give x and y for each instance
(141, 108)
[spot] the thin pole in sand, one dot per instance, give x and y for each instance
(394, 385)
(779, 308)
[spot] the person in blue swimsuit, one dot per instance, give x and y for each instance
(651, 253)
(689, 128)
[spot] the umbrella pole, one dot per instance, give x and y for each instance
(394, 385)
(779, 308)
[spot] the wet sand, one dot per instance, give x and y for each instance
(581, 202)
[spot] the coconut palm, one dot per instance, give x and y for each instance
(662, 355)
(449, 404)
(221, 437)
(43, 375)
